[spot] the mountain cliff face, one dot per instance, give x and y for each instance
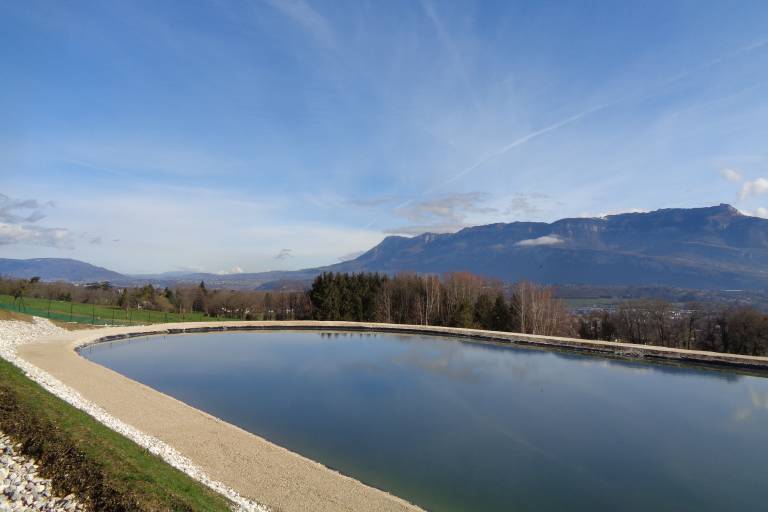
(705, 248)
(714, 247)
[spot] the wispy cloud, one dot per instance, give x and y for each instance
(447, 41)
(371, 202)
(309, 19)
(526, 204)
(731, 175)
(284, 254)
(442, 214)
(757, 187)
(523, 140)
(21, 210)
(655, 90)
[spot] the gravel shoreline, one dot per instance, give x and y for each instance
(22, 489)
(15, 333)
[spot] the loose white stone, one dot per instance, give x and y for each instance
(13, 334)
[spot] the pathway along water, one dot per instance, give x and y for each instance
(451, 425)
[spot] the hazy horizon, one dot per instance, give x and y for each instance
(268, 135)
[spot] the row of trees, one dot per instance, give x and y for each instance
(457, 300)
(740, 330)
(465, 300)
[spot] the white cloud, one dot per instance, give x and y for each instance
(542, 240)
(241, 230)
(761, 212)
(18, 219)
(731, 175)
(34, 235)
(757, 187)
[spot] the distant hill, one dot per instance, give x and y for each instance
(700, 248)
(58, 269)
(712, 247)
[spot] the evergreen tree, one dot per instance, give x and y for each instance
(502, 316)
(483, 312)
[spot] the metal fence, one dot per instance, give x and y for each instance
(91, 313)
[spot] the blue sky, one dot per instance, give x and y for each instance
(252, 135)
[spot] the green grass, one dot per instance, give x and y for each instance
(107, 470)
(95, 314)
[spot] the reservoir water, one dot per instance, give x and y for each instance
(457, 426)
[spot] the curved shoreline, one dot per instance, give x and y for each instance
(251, 466)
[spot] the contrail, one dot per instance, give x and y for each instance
(577, 117)
(519, 142)
(522, 140)
(515, 143)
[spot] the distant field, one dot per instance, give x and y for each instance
(584, 302)
(95, 314)
(611, 303)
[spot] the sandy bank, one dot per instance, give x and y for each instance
(250, 465)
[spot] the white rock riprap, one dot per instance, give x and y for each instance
(15, 333)
(21, 488)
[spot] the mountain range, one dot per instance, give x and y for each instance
(706, 248)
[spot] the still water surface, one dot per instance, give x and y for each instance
(452, 425)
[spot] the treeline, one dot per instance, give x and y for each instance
(457, 300)
(241, 305)
(736, 330)
(466, 300)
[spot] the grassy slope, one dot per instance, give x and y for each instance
(81, 455)
(87, 313)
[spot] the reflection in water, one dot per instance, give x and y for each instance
(453, 425)
(759, 406)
